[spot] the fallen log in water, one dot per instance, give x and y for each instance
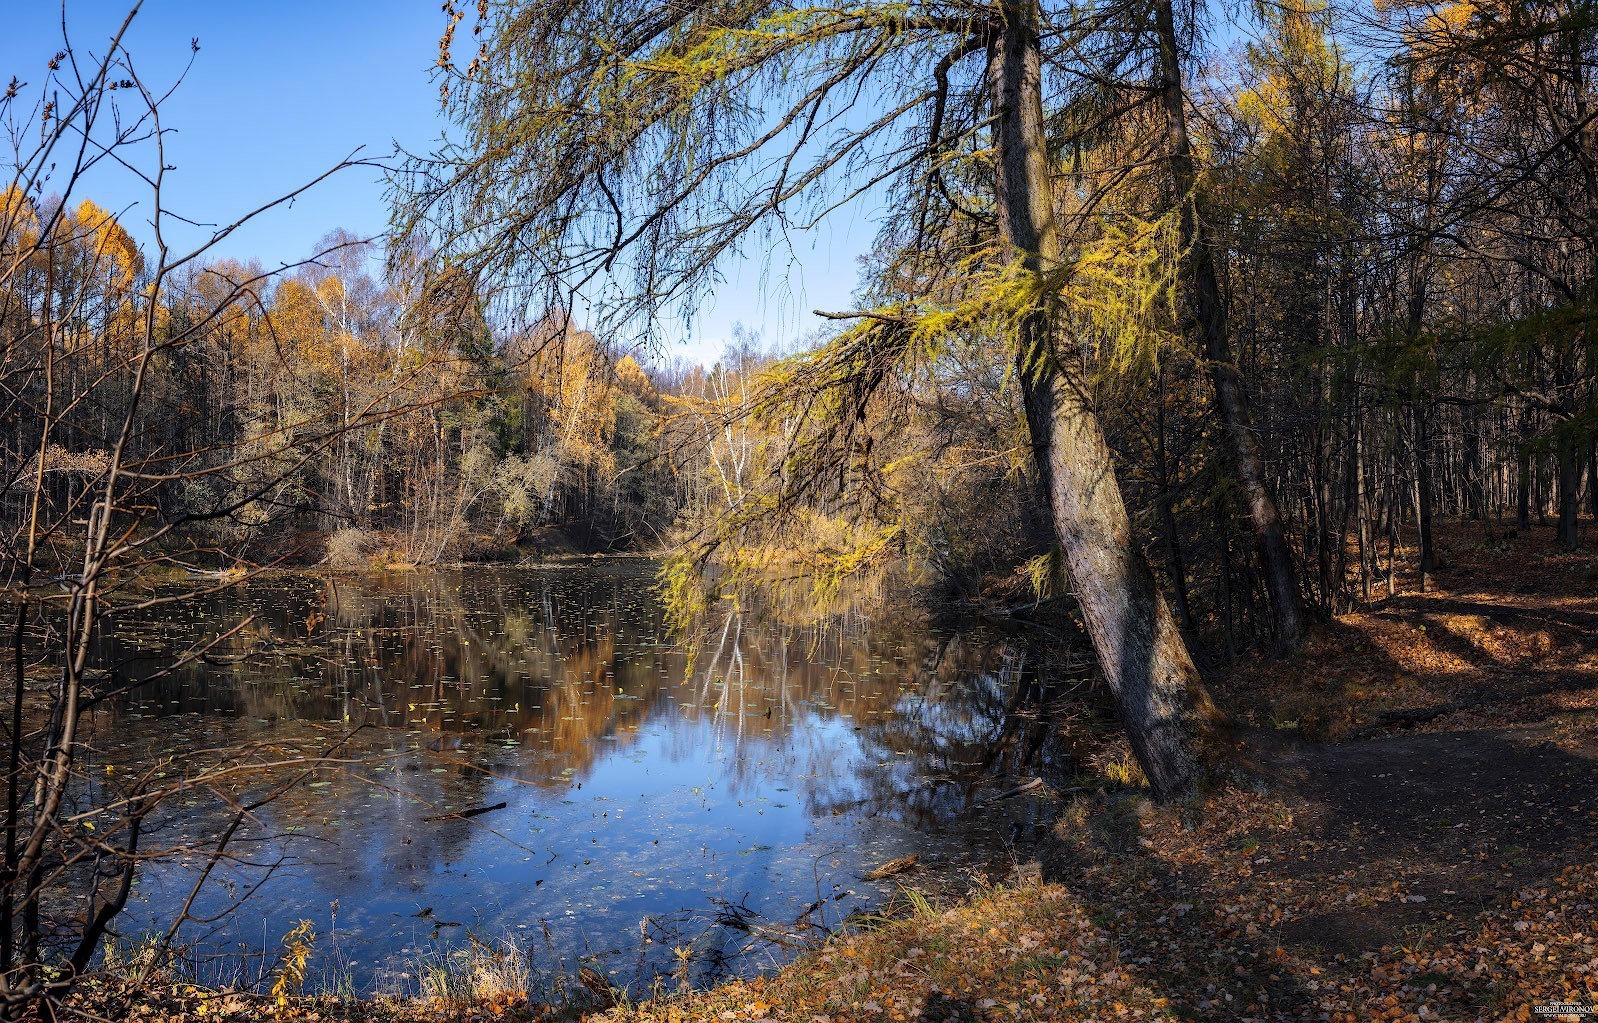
(1035, 783)
(892, 867)
(598, 986)
(463, 814)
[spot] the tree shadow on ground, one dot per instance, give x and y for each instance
(1396, 843)
(1464, 817)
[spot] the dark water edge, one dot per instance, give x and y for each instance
(670, 806)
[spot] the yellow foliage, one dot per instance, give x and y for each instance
(632, 379)
(111, 248)
(1122, 292)
(297, 947)
(1299, 64)
(572, 377)
(297, 319)
(19, 223)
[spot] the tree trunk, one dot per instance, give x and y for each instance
(1270, 538)
(1367, 556)
(1592, 478)
(1423, 493)
(1157, 689)
(1523, 490)
(1569, 495)
(1223, 519)
(1475, 483)
(1176, 563)
(1392, 512)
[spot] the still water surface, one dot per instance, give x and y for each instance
(649, 789)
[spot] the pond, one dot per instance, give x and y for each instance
(637, 794)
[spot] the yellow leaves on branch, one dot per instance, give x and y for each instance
(1120, 291)
(721, 49)
(1299, 65)
(1439, 19)
(298, 945)
(1455, 45)
(1116, 292)
(706, 52)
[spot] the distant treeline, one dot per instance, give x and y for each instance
(335, 412)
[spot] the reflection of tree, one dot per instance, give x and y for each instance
(982, 706)
(560, 659)
(470, 683)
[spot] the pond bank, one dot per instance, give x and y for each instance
(1407, 866)
(1250, 916)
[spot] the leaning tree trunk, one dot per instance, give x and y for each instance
(1161, 699)
(1243, 446)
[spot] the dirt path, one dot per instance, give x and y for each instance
(1459, 819)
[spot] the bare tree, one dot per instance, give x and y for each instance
(109, 490)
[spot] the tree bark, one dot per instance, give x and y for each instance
(1569, 494)
(1161, 699)
(1475, 483)
(1243, 446)
(1367, 556)
(1423, 491)
(1592, 478)
(1176, 563)
(1523, 490)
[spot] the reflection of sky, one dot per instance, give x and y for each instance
(775, 772)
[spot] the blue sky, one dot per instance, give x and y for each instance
(279, 92)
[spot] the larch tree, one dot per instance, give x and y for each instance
(617, 150)
(1200, 245)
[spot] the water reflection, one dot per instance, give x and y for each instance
(641, 785)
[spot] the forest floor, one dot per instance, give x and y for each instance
(1409, 831)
